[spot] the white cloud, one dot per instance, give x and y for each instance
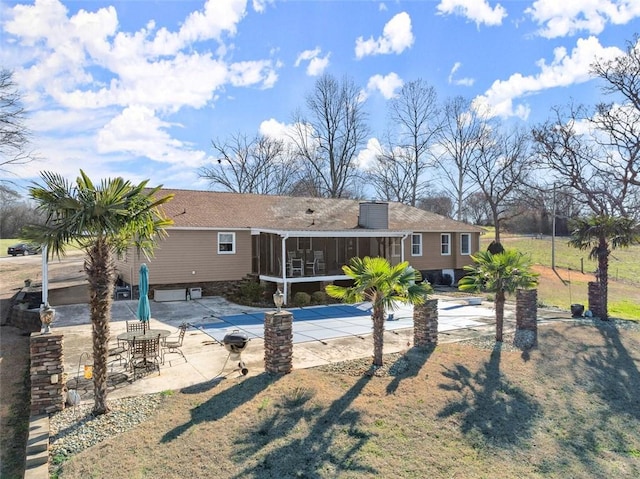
(114, 90)
(564, 70)
(44, 121)
(139, 132)
(253, 73)
(261, 5)
(216, 18)
(562, 18)
(478, 11)
(367, 156)
(317, 64)
(275, 129)
(459, 81)
(396, 37)
(386, 85)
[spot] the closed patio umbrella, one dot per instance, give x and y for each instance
(144, 310)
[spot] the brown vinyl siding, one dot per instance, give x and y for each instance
(431, 253)
(187, 251)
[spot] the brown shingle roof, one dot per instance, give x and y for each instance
(209, 209)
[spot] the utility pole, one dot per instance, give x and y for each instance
(553, 231)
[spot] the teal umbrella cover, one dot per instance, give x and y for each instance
(144, 310)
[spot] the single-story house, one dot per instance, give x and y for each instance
(292, 243)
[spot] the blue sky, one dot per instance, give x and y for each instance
(140, 88)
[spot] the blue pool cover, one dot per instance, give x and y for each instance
(316, 323)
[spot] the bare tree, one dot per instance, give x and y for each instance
(619, 123)
(500, 169)
(259, 165)
(582, 166)
(415, 121)
(477, 209)
(438, 202)
(328, 138)
(392, 176)
(462, 131)
(14, 135)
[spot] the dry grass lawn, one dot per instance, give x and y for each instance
(570, 408)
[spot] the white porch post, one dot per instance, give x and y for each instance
(284, 269)
(45, 275)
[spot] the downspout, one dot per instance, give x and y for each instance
(402, 247)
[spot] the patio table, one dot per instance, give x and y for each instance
(148, 335)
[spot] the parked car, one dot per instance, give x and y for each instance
(23, 249)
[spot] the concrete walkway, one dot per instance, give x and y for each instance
(208, 360)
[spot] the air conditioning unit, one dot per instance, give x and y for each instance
(195, 293)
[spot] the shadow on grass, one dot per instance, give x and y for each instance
(604, 423)
(413, 360)
(328, 448)
(612, 374)
(488, 404)
(615, 370)
(223, 403)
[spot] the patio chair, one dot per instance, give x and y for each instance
(145, 356)
(174, 345)
(135, 326)
(318, 260)
(296, 266)
(117, 353)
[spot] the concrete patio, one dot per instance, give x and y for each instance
(208, 360)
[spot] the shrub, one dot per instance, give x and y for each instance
(319, 297)
(301, 299)
(252, 291)
(446, 279)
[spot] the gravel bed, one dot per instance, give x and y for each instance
(75, 428)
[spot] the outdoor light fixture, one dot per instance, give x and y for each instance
(278, 299)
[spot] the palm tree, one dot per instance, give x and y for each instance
(500, 274)
(375, 280)
(603, 234)
(104, 220)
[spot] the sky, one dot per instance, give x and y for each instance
(139, 89)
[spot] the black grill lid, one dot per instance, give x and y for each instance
(236, 337)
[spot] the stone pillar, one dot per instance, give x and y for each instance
(278, 342)
(46, 374)
(595, 300)
(425, 323)
(526, 335)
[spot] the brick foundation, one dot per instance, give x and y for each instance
(278, 342)
(47, 382)
(526, 335)
(425, 323)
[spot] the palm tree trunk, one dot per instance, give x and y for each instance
(101, 273)
(499, 304)
(603, 271)
(378, 334)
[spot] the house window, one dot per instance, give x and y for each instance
(445, 244)
(304, 244)
(416, 245)
(226, 243)
(465, 243)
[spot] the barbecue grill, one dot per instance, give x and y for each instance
(236, 342)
